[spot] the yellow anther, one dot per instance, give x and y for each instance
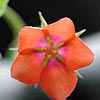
(44, 58)
(45, 61)
(51, 43)
(49, 56)
(44, 49)
(54, 51)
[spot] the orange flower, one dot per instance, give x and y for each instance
(49, 56)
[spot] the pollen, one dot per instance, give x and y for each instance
(54, 51)
(49, 56)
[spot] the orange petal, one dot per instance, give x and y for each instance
(77, 54)
(58, 82)
(28, 37)
(64, 28)
(27, 67)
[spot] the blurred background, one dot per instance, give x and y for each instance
(84, 13)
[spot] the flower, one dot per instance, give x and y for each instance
(49, 56)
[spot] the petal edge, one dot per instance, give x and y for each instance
(63, 28)
(26, 68)
(57, 81)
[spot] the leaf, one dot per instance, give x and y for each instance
(36, 85)
(3, 6)
(42, 20)
(80, 32)
(79, 75)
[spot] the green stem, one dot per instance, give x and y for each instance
(14, 21)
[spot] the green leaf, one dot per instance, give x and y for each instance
(48, 39)
(3, 6)
(43, 21)
(80, 32)
(78, 74)
(36, 85)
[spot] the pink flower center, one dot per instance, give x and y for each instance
(50, 51)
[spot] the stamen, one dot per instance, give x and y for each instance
(60, 58)
(48, 39)
(60, 44)
(51, 43)
(39, 49)
(44, 49)
(49, 56)
(45, 62)
(50, 51)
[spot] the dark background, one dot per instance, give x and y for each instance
(85, 14)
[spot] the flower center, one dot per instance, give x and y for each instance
(50, 51)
